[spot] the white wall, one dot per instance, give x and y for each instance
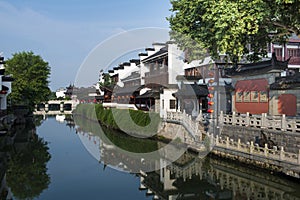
(165, 98)
(60, 93)
(123, 73)
(3, 97)
(176, 63)
(143, 69)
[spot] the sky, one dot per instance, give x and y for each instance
(66, 32)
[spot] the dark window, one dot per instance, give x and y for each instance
(278, 51)
(172, 104)
(294, 52)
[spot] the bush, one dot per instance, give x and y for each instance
(129, 121)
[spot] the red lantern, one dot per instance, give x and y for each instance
(210, 110)
(211, 103)
(210, 96)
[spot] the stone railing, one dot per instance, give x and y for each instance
(282, 123)
(275, 153)
(192, 126)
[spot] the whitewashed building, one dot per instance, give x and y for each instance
(5, 86)
(60, 93)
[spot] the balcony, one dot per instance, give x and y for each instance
(158, 76)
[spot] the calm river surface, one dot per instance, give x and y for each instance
(80, 164)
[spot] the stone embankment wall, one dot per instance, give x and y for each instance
(173, 131)
(237, 143)
(289, 140)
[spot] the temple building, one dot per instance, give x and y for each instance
(260, 86)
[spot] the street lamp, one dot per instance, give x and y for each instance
(219, 65)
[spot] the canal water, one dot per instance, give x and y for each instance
(66, 159)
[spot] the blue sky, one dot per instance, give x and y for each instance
(64, 32)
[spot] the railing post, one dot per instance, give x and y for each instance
(233, 118)
(199, 117)
(227, 142)
(247, 119)
(239, 144)
(263, 120)
(283, 123)
(46, 107)
(61, 107)
(266, 149)
(251, 147)
(281, 155)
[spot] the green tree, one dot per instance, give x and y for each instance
(107, 81)
(52, 96)
(230, 26)
(31, 75)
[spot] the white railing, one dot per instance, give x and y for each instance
(262, 121)
(60, 109)
(275, 153)
(192, 126)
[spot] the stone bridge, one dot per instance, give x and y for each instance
(54, 107)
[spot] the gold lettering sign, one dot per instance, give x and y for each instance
(247, 96)
(263, 97)
(239, 96)
(254, 96)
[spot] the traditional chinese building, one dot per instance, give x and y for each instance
(289, 50)
(252, 92)
(192, 98)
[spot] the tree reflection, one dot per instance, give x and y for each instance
(27, 172)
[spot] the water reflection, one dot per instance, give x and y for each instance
(24, 157)
(129, 153)
(193, 178)
(189, 177)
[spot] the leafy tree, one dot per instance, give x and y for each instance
(107, 81)
(231, 26)
(52, 96)
(31, 75)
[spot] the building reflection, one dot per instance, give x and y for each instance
(215, 179)
(189, 177)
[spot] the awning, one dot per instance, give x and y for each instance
(149, 94)
(119, 91)
(252, 85)
(163, 52)
(191, 91)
